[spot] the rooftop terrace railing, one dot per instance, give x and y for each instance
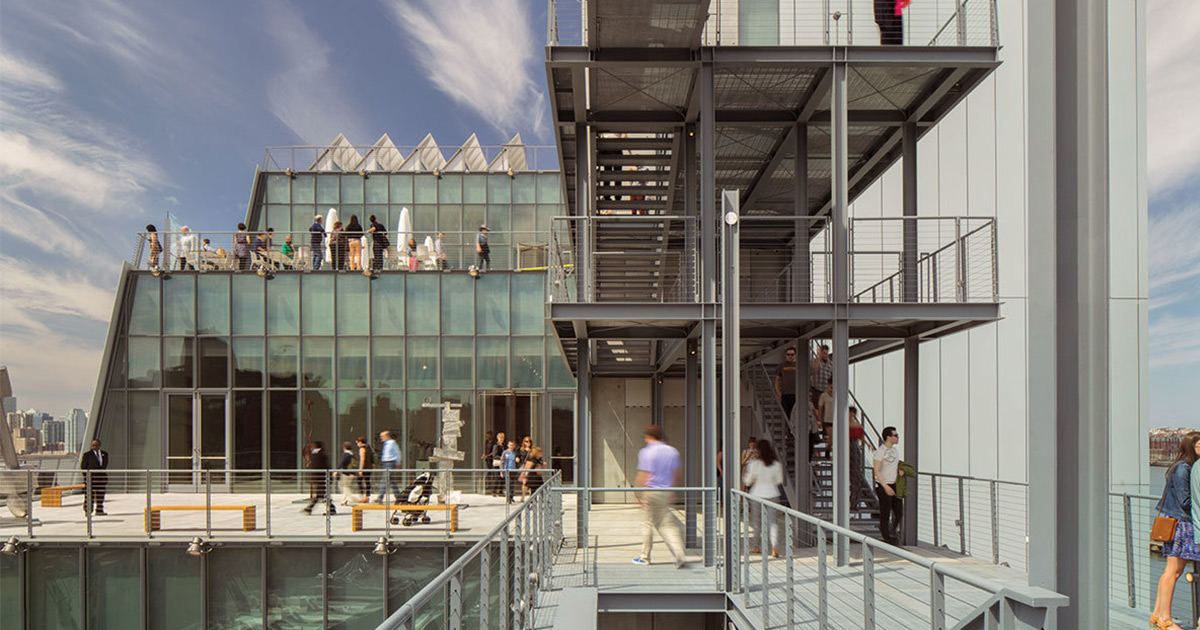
(243, 252)
(815, 23)
(422, 158)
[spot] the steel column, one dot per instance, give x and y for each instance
(803, 446)
(691, 431)
(910, 438)
(840, 228)
(708, 294)
(583, 437)
(908, 279)
(731, 341)
(802, 275)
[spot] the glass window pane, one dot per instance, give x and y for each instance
(449, 220)
(302, 189)
(491, 304)
(352, 362)
(283, 423)
(283, 305)
(177, 361)
(143, 362)
(422, 362)
(302, 219)
(212, 312)
(562, 435)
(283, 361)
(549, 188)
(492, 367)
(422, 428)
(214, 362)
(422, 304)
(387, 304)
(359, 599)
(458, 304)
(279, 189)
(499, 188)
(318, 361)
(293, 587)
(247, 305)
(317, 410)
(235, 588)
(247, 430)
(327, 190)
(143, 315)
(248, 362)
(424, 222)
(409, 570)
(528, 304)
(524, 188)
(557, 372)
(467, 442)
(527, 362)
(400, 189)
(280, 219)
(387, 414)
(175, 594)
(499, 222)
(473, 217)
(524, 223)
(387, 362)
(424, 189)
(52, 588)
(457, 362)
(316, 304)
(450, 188)
(352, 309)
(10, 592)
(544, 216)
(112, 428)
(144, 422)
(376, 189)
(114, 588)
(475, 188)
(179, 304)
(352, 188)
(351, 422)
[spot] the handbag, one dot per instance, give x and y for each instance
(1164, 528)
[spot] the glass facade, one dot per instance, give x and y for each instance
(337, 355)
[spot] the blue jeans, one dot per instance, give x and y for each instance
(318, 256)
(389, 481)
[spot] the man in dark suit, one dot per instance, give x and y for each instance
(96, 460)
(318, 462)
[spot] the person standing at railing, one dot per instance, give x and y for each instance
(886, 465)
(658, 467)
(483, 253)
(785, 382)
(379, 243)
(353, 233)
(509, 463)
(316, 241)
(439, 250)
(186, 248)
(764, 477)
(410, 250)
(1176, 503)
(318, 462)
(241, 247)
(95, 460)
(389, 457)
(155, 247)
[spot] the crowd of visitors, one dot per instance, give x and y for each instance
(514, 463)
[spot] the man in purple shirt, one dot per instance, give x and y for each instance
(658, 467)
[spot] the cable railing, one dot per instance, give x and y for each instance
(270, 252)
(950, 259)
(886, 587)
(507, 568)
(785, 259)
(259, 504)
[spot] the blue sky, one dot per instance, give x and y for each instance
(115, 112)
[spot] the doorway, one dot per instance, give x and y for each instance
(516, 414)
(197, 439)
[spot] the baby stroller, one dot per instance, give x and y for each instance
(417, 493)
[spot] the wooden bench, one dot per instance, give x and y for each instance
(356, 512)
(52, 497)
(154, 517)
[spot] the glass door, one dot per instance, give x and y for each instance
(197, 439)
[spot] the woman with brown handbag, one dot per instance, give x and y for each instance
(1176, 505)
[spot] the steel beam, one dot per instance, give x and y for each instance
(840, 230)
(775, 56)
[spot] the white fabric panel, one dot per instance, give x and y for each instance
(957, 448)
(985, 430)
(1011, 383)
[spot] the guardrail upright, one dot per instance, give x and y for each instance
(1130, 578)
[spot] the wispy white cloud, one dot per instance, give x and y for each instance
(1175, 249)
(483, 54)
(17, 71)
(1172, 90)
(305, 94)
(1174, 342)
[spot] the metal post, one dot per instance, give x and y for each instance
(868, 573)
(583, 437)
(933, 498)
(802, 274)
(691, 431)
(485, 587)
(267, 487)
(822, 583)
(87, 501)
(763, 544)
(708, 296)
(839, 230)
(208, 503)
(456, 601)
(960, 16)
(731, 373)
(743, 543)
(995, 522)
(1130, 578)
(960, 266)
(505, 583)
(149, 534)
(937, 599)
(788, 532)
(909, 246)
(962, 521)
(912, 428)
(803, 447)
(29, 505)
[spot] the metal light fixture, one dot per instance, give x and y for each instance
(12, 547)
(290, 173)
(437, 173)
(197, 547)
(511, 174)
(362, 173)
(382, 548)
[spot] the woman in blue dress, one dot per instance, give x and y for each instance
(1176, 503)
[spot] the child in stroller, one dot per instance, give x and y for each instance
(417, 493)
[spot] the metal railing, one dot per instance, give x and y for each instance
(566, 24)
(630, 259)
(247, 504)
(247, 251)
(514, 558)
(350, 158)
(952, 259)
(785, 259)
(881, 591)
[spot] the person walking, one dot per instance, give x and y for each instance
(95, 460)
(889, 18)
(525, 448)
(483, 253)
(531, 479)
(857, 468)
(353, 234)
(389, 457)
(763, 477)
(379, 243)
(509, 462)
(749, 454)
(658, 467)
(497, 451)
(317, 241)
(1176, 503)
(785, 382)
(820, 374)
(348, 479)
(366, 462)
(886, 464)
(155, 246)
(486, 458)
(318, 463)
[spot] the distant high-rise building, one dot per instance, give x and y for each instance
(76, 424)
(38, 418)
(54, 433)
(19, 420)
